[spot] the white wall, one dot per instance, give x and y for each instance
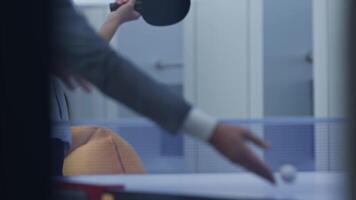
(330, 84)
(223, 68)
(330, 51)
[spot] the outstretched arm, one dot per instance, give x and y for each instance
(83, 53)
(115, 19)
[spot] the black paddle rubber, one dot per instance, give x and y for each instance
(160, 12)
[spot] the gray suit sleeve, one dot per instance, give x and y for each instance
(81, 51)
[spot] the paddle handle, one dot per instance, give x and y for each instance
(114, 6)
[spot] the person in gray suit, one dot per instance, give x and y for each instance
(60, 109)
(82, 53)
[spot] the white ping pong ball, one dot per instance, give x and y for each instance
(288, 173)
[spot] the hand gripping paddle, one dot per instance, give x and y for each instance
(160, 12)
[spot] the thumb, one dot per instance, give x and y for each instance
(131, 2)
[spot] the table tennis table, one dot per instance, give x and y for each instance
(308, 186)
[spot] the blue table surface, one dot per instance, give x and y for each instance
(308, 185)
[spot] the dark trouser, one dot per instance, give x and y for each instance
(58, 148)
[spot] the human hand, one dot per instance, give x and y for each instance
(232, 142)
(125, 13)
(72, 81)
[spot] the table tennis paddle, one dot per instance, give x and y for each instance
(160, 12)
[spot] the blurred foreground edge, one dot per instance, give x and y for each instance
(352, 99)
(65, 190)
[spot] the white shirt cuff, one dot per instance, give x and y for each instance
(199, 124)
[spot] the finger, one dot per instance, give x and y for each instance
(256, 140)
(136, 14)
(131, 2)
(253, 163)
